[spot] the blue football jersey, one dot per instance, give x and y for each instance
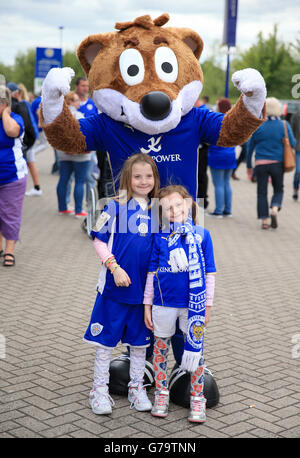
(131, 229)
(12, 164)
(175, 152)
(88, 108)
(172, 289)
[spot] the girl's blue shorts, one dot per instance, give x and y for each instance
(112, 322)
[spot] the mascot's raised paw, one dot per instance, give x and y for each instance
(251, 83)
(55, 86)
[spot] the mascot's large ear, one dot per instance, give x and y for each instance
(90, 47)
(190, 38)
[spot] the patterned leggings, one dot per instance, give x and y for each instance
(160, 358)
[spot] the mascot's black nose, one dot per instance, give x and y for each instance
(155, 106)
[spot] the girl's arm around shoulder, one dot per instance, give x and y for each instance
(154, 258)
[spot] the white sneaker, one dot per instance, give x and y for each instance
(161, 403)
(137, 396)
(197, 409)
(34, 192)
(100, 401)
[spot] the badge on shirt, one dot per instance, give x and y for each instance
(96, 329)
(143, 229)
(101, 221)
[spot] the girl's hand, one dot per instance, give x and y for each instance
(121, 277)
(249, 173)
(207, 315)
(148, 317)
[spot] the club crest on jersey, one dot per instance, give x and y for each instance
(143, 229)
(96, 329)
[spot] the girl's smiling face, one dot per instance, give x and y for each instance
(142, 180)
(175, 208)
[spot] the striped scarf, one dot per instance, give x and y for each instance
(195, 263)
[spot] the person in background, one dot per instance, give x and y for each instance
(88, 108)
(21, 108)
(42, 141)
(13, 177)
(240, 159)
(295, 124)
(30, 153)
(268, 146)
(222, 161)
(202, 161)
(72, 163)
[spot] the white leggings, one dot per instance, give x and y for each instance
(102, 362)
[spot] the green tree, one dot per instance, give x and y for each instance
(6, 71)
(214, 80)
(296, 50)
(23, 69)
(274, 60)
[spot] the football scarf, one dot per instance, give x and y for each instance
(195, 264)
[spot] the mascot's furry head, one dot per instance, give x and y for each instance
(144, 75)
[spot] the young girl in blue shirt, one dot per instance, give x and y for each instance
(180, 284)
(123, 237)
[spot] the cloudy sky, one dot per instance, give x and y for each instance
(30, 23)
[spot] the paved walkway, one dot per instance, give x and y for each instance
(251, 345)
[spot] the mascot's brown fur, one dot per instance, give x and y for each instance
(99, 56)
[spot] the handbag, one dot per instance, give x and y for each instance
(289, 156)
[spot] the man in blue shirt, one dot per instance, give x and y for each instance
(87, 106)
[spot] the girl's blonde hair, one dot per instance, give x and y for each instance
(183, 192)
(24, 92)
(125, 190)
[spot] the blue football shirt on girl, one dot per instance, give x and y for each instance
(175, 152)
(132, 229)
(172, 290)
(12, 165)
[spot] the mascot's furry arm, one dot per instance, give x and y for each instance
(148, 77)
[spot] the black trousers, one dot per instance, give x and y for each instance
(202, 174)
(275, 171)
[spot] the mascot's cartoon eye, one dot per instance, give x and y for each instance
(166, 64)
(132, 66)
